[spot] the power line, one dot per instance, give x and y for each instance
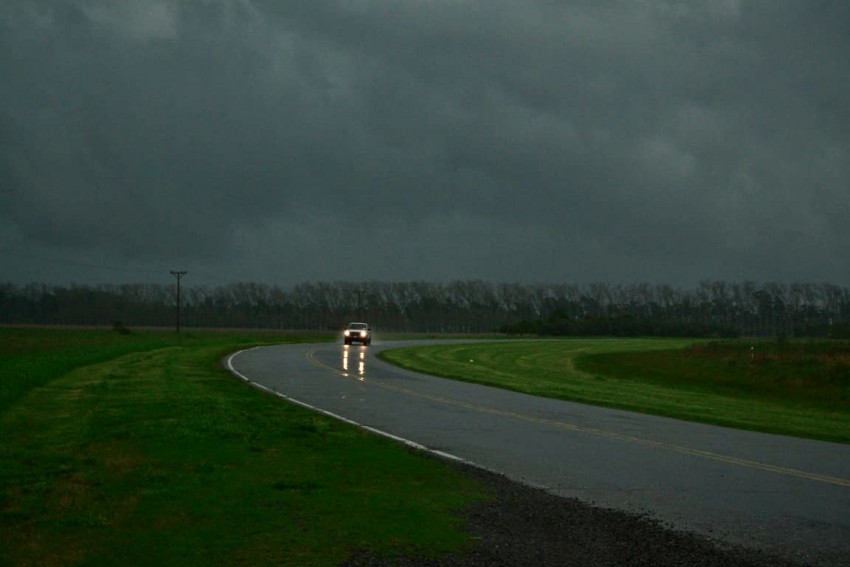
(67, 262)
(48, 259)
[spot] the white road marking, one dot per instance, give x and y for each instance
(407, 442)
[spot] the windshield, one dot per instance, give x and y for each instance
(357, 326)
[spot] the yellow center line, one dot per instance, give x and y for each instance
(837, 481)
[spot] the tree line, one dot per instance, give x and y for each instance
(713, 308)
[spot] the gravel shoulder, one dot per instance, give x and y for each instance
(523, 526)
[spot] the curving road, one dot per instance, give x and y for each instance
(787, 496)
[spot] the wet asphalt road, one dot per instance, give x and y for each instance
(787, 496)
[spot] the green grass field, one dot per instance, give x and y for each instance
(796, 388)
(141, 450)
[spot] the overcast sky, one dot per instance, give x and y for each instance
(511, 141)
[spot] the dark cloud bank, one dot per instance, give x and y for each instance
(512, 141)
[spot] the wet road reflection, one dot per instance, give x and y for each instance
(359, 356)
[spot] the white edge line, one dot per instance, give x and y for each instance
(407, 442)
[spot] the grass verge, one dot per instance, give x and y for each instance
(142, 450)
(793, 394)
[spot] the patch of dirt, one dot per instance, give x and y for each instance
(527, 527)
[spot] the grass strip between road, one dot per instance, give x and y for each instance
(667, 377)
(147, 452)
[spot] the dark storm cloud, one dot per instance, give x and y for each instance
(621, 141)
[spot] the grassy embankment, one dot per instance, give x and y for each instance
(141, 449)
(799, 388)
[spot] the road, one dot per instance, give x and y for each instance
(780, 494)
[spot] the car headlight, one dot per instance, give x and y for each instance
(347, 333)
(362, 333)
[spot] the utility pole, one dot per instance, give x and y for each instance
(178, 275)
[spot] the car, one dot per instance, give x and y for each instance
(357, 332)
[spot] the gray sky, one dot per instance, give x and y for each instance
(535, 141)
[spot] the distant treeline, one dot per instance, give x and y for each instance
(714, 308)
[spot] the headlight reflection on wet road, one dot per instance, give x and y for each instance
(361, 362)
